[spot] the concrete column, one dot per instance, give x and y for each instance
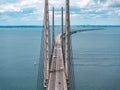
(46, 42)
(53, 37)
(67, 43)
(62, 24)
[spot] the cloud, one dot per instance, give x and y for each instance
(33, 10)
(19, 6)
(80, 3)
(117, 12)
(9, 8)
(112, 3)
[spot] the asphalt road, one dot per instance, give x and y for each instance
(57, 79)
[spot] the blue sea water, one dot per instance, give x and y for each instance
(96, 56)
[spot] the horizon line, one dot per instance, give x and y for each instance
(51, 25)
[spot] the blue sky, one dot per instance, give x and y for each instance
(82, 12)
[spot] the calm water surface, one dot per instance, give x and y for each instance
(96, 58)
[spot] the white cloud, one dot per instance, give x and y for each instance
(117, 12)
(29, 2)
(19, 6)
(81, 9)
(9, 7)
(82, 3)
(112, 3)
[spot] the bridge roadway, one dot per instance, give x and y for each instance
(57, 79)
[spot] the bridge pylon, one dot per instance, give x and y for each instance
(46, 44)
(53, 36)
(67, 40)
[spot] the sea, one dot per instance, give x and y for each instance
(96, 57)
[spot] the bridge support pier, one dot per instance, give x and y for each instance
(46, 44)
(67, 40)
(53, 36)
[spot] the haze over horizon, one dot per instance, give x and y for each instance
(82, 12)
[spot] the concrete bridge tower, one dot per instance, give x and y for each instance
(67, 40)
(46, 43)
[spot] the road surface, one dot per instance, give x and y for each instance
(57, 79)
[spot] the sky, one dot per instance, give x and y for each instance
(82, 12)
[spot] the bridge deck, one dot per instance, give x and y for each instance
(57, 79)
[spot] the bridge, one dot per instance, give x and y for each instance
(57, 78)
(55, 71)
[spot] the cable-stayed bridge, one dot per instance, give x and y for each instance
(55, 70)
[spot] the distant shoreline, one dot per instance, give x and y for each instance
(33, 26)
(21, 26)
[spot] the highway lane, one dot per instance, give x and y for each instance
(57, 79)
